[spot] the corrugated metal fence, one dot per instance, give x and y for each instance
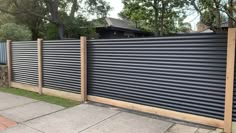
(25, 62)
(61, 64)
(182, 73)
(185, 74)
(3, 53)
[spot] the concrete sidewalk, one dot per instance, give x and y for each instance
(39, 117)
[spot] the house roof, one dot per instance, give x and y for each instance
(117, 23)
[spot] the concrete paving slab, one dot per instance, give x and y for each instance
(30, 111)
(203, 131)
(217, 131)
(20, 129)
(9, 101)
(130, 123)
(177, 128)
(72, 120)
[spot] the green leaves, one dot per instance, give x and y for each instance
(14, 32)
(158, 16)
(215, 12)
(45, 17)
(100, 8)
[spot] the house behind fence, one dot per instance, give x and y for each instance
(3, 53)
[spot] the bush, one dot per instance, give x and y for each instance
(12, 31)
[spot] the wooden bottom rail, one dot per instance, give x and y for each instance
(158, 111)
(62, 94)
(148, 109)
(24, 87)
(51, 92)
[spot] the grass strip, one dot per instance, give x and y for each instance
(49, 99)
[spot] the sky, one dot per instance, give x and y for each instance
(117, 5)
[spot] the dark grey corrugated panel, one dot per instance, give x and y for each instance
(234, 102)
(61, 65)
(3, 53)
(25, 62)
(182, 73)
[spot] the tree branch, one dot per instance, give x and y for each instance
(23, 10)
(193, 3)
(228, 14)
(9, 12)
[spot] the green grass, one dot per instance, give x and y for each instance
(50, 99)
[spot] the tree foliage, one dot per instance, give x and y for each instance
(214, 12)
(162, 16)
(13, 31)
(41, 14)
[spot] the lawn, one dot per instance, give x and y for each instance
(50, 99)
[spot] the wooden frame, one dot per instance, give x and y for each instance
(62, 94)
(9, 58)
(47, 91)
(24, 87)
(83, 63)
(40, 71)
(229, 85)
(159, 111)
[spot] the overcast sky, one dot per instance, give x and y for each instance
(117, 5)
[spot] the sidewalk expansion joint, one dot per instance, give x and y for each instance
(100, 122)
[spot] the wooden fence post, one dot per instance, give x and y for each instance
(9, 58)
(83, 63)
(40, 75)
(229, 85)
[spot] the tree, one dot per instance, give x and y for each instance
(214, 12)
(161, 15)
(6, 18)
(14, 32)
(100, 8)
(34, 23)
(51, 11)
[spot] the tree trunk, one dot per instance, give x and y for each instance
(156, 17)
(34, 34)
(53, 6)
(61, 31)
(218, 20)
(216, 12)
(74, 8)
(162, 18)
(230, 21)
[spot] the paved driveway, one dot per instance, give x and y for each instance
(32, 116)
